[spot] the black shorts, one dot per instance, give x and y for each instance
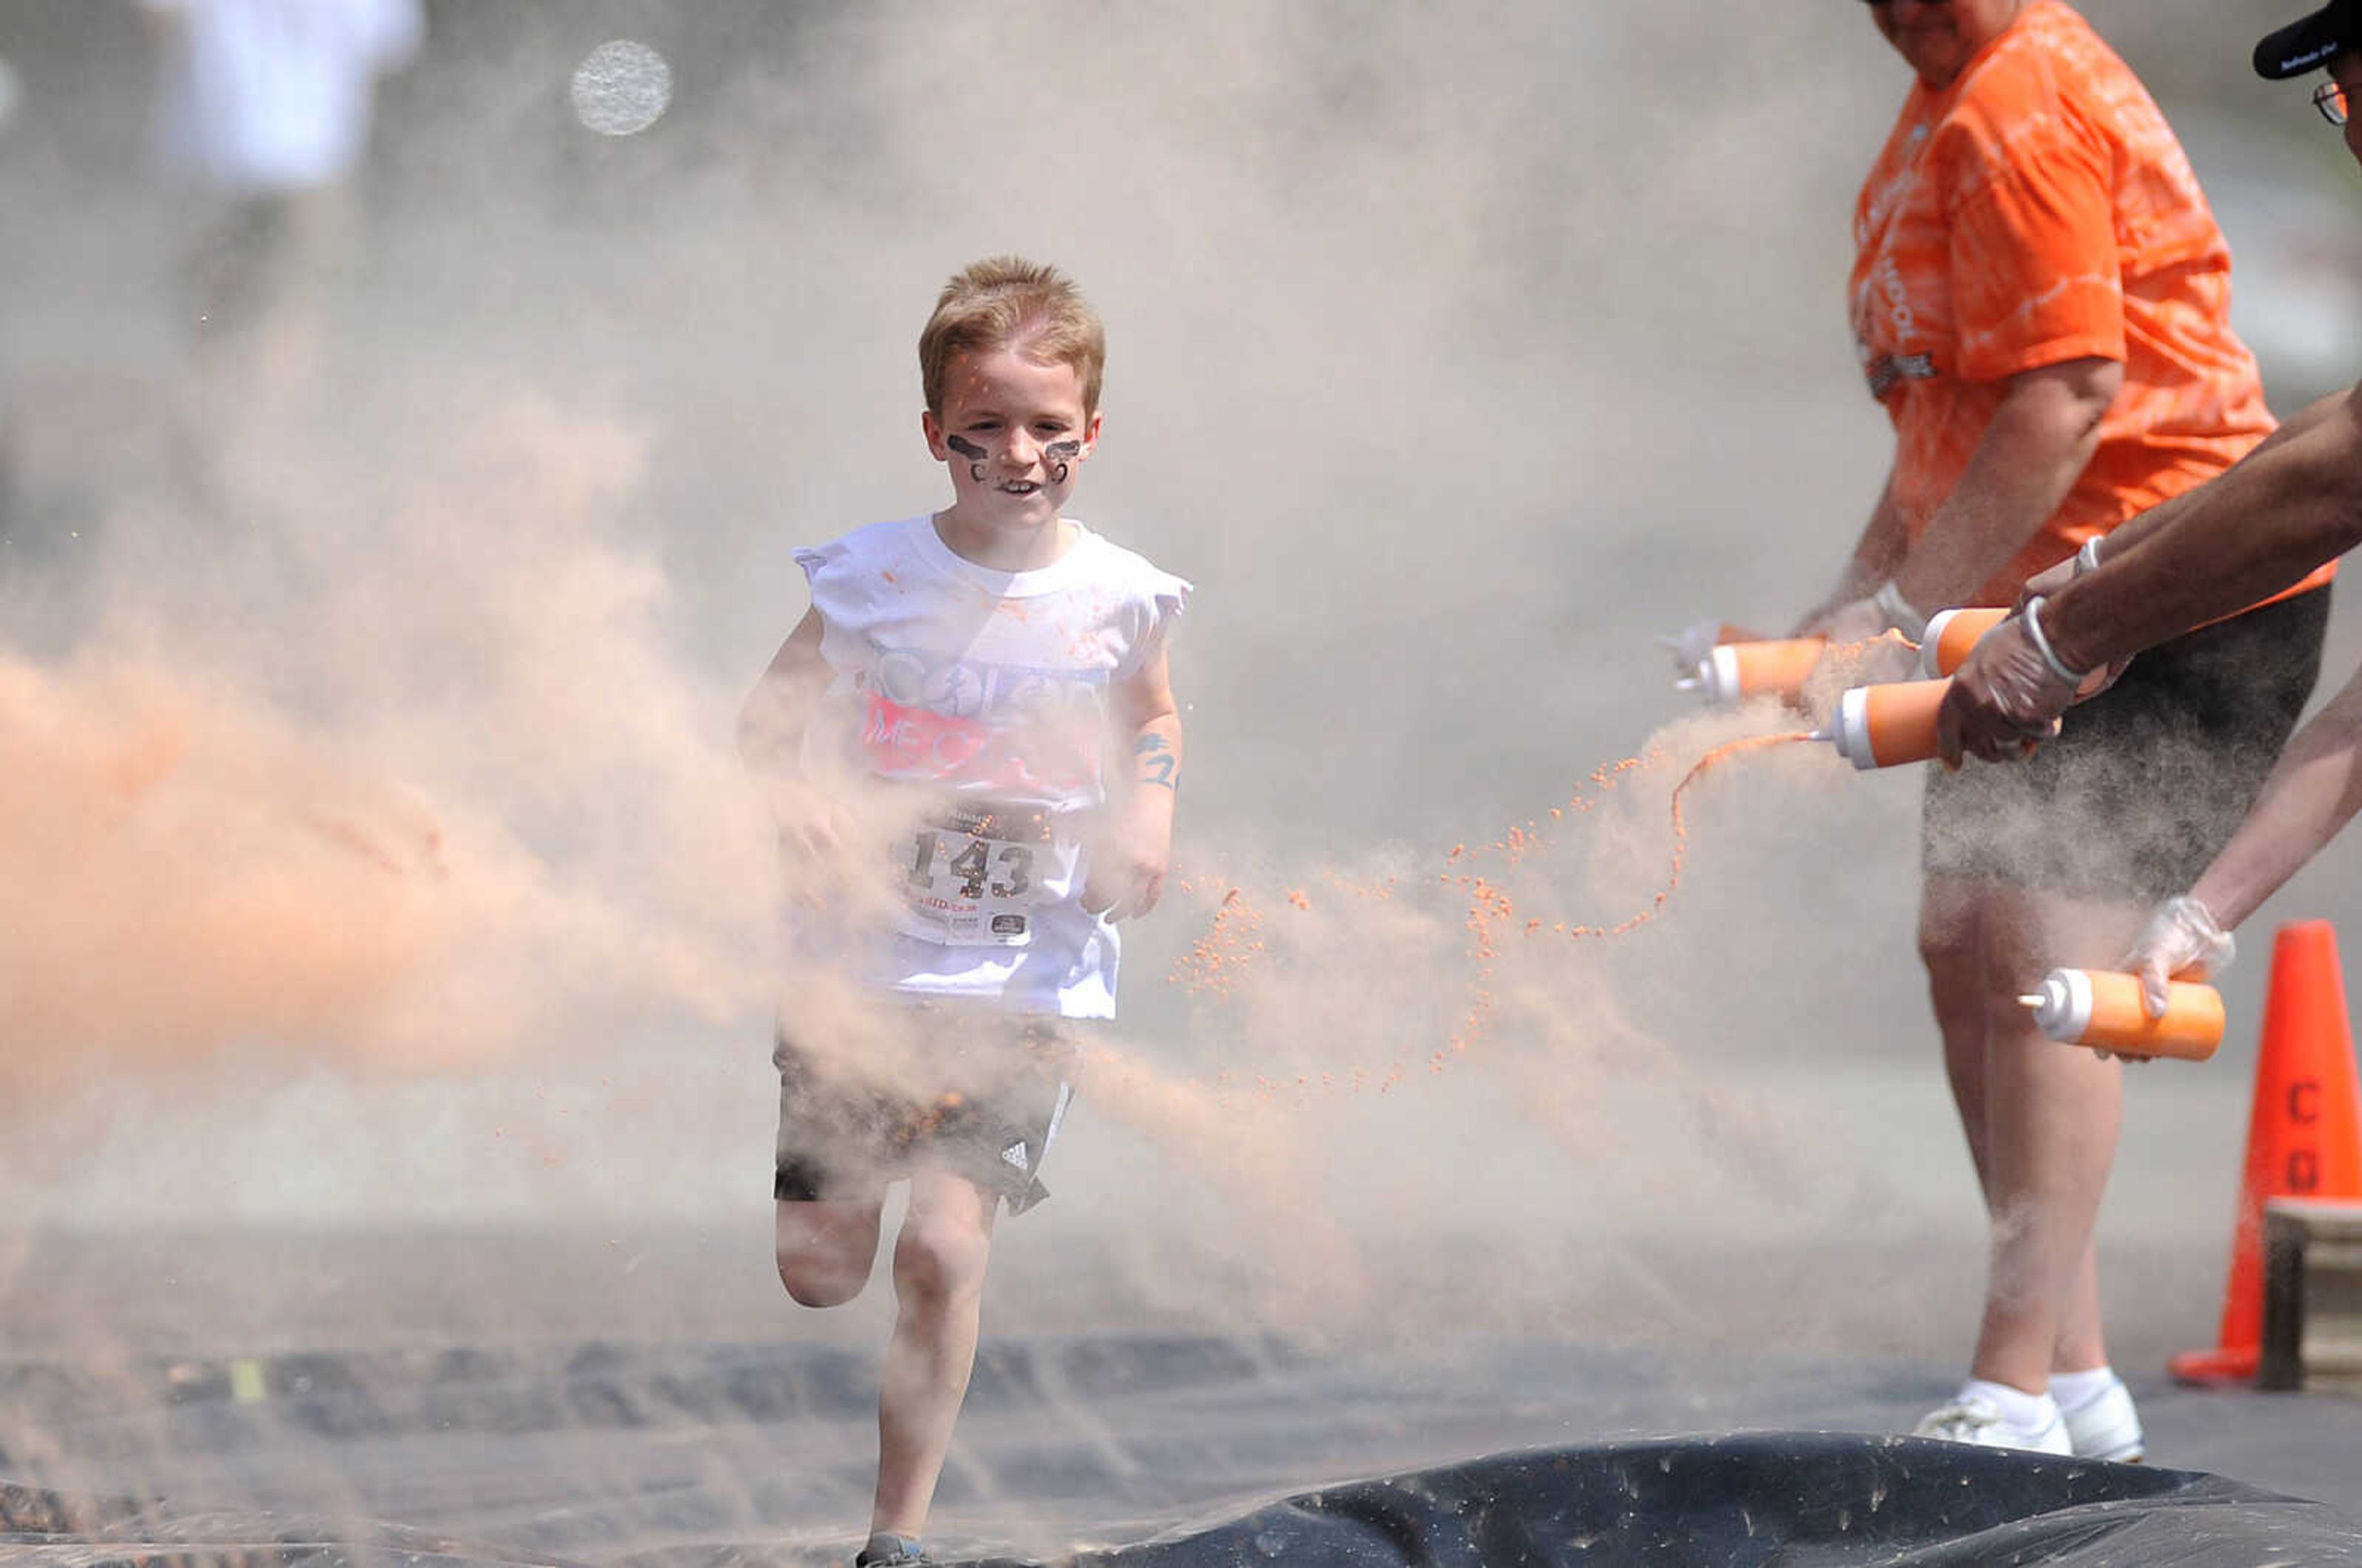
(974, 1092)
(2147, 781)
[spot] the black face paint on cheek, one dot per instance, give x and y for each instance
(1057, 455)
(974, 455)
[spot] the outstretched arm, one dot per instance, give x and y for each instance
(2288, 506)
(1884, 540)
(2313, 791)
(2292, 504)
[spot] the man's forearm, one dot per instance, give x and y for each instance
(1884, 540)
(2283, 510)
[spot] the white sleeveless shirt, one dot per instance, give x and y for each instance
(993, 689)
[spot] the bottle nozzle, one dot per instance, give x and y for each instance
(2032, 1002)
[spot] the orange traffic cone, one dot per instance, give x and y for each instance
(2305, 1132)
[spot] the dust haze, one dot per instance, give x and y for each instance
(373, 852)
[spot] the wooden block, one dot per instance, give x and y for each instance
(2313, 1295)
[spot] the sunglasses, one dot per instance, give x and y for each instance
(2330, 99)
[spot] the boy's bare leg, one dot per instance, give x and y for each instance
(825, 1248)
(939, 1264)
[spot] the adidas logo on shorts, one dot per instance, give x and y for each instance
(1015, 1156)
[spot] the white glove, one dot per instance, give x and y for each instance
(2180, 938)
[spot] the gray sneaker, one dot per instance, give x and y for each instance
(885, 1548)
(2106, 1426)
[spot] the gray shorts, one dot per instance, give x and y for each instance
(970, 1090)
(2147, 781)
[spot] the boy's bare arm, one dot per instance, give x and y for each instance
(770, 741)
(1129, 871)
(771, 724)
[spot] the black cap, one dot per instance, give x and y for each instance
(2315, 41)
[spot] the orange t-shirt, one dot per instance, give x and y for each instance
(2039, 210)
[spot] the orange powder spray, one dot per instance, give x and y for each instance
(1232, 941)
(1680, 830)
(1236, 939)
(1490, 908)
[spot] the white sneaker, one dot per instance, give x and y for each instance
(1972, 1420)
(2106, 1426)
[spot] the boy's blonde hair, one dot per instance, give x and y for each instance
(1010, 303)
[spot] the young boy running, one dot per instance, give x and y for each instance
(970, 670)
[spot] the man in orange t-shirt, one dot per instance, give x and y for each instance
(2041, 300)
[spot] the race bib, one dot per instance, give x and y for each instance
(971, 876)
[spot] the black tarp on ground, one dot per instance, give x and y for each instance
(1790, 1499)
(51, 1530)
(1795, 1499)
(1174, 1451)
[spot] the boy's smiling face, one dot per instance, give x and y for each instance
(1015, 435)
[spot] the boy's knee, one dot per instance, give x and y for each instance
(824, 1252)
(939, 1256)
(822, 1277)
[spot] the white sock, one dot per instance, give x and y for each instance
(2073, 1390)
(2023, 1412)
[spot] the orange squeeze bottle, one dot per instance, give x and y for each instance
(1880, 726)
(1694, 642)
(1952, 634)
(2102, 1008)
(1731, 672)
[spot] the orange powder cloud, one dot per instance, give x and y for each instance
(179, 870)
(483, 806)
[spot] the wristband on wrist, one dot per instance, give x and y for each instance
(2032, 618)
(2088, 557)
(1898, 610)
